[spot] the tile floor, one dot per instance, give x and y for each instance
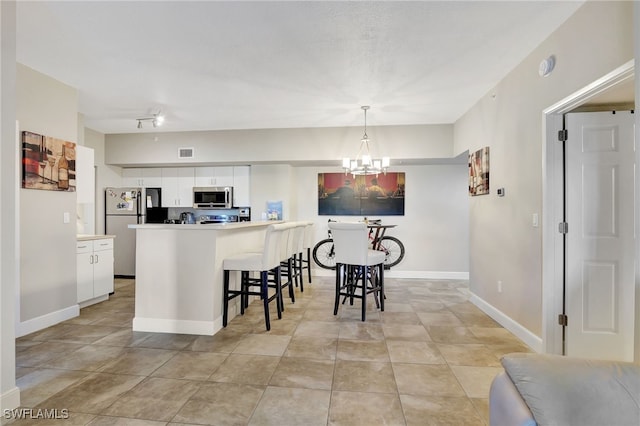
(427, 360)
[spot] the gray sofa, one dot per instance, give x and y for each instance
(537, 389)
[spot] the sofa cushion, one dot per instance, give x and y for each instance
(569, 391)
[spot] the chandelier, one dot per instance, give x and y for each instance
(363, 164)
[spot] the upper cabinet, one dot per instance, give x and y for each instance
(177, 186)
(142, 177)
(214, 176)
(241, 186)
(177, 182)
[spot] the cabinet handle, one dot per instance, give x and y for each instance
(91, 260)
(82, 247)
(96, 258)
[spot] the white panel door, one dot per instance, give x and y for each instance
(600, 264)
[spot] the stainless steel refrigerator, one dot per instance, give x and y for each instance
(124, 207)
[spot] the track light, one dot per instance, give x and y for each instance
(156, 120)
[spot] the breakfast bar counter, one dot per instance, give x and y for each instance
(179, 273)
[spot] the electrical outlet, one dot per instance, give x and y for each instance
(499, 286)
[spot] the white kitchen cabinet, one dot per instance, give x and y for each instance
(94, 270)
(214, 176)
(241, 186)
(144, 177)
(177, 186)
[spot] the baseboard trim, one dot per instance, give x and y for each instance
(425, 275)
(10, 399)
(36, 324)
(155, 325)
(530, 339)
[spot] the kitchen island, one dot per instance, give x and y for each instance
(179, 273)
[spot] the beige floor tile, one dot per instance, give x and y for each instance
(493, 335)
(155, 398)
(414, 352)
(292, 406)
(364, 376)
(475, 381)
(43, 352)
(365, 409)
(259, 344)
(361, 331)
(93, 394)
(220, 404)
(443, 317)
(303, 373)
(363, 350)
(138, 361)
(451, 334)
(123, 338)
(482, 407)
(87, 358)
(469, 354)
(437, 410)
(428, 380)
(121, 421)
(166, 341)
(41, 384)
(86, 333)
(246, 369)
(416, 333)
(400, 318)
(318, 329)
(191, 365)
(312, 347)
(223, 341)
(324, 368)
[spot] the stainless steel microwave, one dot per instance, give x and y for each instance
(212, 197)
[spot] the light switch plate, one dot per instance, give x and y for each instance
(65, 217)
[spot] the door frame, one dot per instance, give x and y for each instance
(552, 203)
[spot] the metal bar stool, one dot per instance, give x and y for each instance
(359, 270)
(262, 262)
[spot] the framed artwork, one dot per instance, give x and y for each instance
(479, 172)
(48, 163)
(371, 195)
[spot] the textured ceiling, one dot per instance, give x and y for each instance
(210, 65)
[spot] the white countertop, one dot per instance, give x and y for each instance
(205, 227)
(89, 237)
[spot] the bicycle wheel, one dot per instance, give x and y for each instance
(393, 249)
(324, 254)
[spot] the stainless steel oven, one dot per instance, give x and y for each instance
(212, 197)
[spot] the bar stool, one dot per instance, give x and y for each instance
(298, 247)
(354, 262)
(262, 262)
(286, 262)
(306, 248)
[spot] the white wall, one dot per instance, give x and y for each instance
(434, 229)
(503, 244)
(9, 272)
(106, 175)
(48, 246)
(292, 146)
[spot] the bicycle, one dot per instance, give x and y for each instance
(324, 251)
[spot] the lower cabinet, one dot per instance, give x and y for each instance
(94, 269)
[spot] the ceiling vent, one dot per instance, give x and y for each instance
(184, 153)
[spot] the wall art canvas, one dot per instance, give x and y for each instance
(479, 172)
(48, 163)
(372, 195)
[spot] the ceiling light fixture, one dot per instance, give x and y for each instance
(365, 165)
(156, 120)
